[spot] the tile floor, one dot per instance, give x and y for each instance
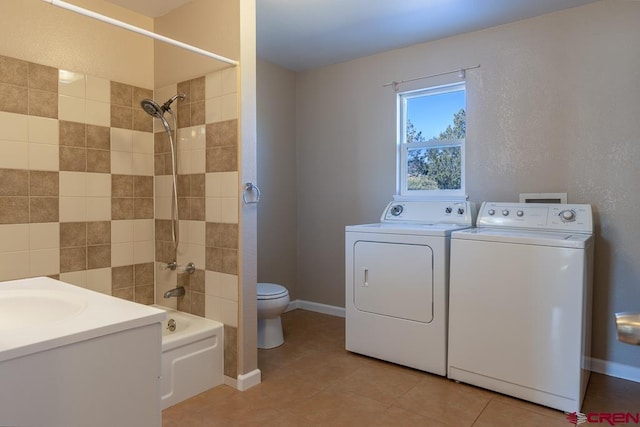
(312, 380)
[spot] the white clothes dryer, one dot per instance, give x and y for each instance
(397, 283)
(520, 302)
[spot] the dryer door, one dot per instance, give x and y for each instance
(394, 279)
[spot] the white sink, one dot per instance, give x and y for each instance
(24, 308)
(628, 325)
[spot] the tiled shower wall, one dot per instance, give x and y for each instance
(85, 188)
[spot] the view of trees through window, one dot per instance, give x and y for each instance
(436, 166)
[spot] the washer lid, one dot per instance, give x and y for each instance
(271, 291)
(525, 237)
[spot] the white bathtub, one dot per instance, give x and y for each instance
(192, 356)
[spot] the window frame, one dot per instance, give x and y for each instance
(403, 148)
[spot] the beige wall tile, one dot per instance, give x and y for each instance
(44, 235)
(99, 280)
(71, 84)
(121, 140)
(212, 307)
(229, 107)
(213, 206)
(73, 184)
(142, 142)
(229, 210)
(71, 109)
(163, 207)
(213, 110)
(121, 162)
(15, 154)
(143, 164)
(98, 208)
(97, 113)
(43, 130)
(229, 286)
(122, 231)
(99, 184)
(14, 237)
(143, 252)
(73, 209)
(44, 157)
(15, 265)
(14, 127)
(78, 278)
(44, 262)
(143, 230)
(229, 312)
(121, 254)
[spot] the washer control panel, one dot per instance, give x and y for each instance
(435, 212)
(539, 216)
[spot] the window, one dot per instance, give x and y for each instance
(432, 129)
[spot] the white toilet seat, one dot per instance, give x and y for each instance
(267, 291)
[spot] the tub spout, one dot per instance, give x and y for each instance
(176, 292)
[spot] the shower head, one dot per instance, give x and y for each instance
(152, 108)
(167, 105)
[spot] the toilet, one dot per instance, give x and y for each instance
(273, 299)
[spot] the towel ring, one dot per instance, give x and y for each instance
(249, 187)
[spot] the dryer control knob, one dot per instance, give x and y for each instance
(491, 212)
(568, 215)
(460, 211)
(448, 209)
(505, 212)
(396, 210)
(520, 213)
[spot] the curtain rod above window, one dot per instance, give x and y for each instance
(461, 73)
(138, 30)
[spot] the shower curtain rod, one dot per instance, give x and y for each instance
(138, 30)
(461, 72)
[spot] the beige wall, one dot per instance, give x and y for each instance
(277, 222)
(39, 32)
(209, 25)
(553, 108)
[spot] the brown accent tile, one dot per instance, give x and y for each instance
(72, 134)
(73, 159)
(121, 185)
(98, 161)
(168, 162)
(163, 229)
(213, 259)
(98, 137)
(142, 121)
(221, 235)
(142, 186)
(143, 208)
(144, 294)
(220, 134)
(43, 104)
(121, 117)
(44, 209)
(161, 143)
(197, 90)
(197, 304)
(98, 232)
(14, 71)
(165, 251)
(229, 261)
(184, 115)
(14, 182)
(121, 277)
(43, 183)
(123, 293)
(184, 209)
(14, 210)
(197, 113)
(221, 159)
(43, 78)
(158, 164)
(197, 185)
(182, 279)
(197, 281)
(14, 99)
(121, 94)
(140, 93)
(73, 234)
(185, 87)
(73, 259)
(184, 185)
(143, 274)
(121, 208)
(184, 303)
(98, 256)
(197, 209)
(230, 351)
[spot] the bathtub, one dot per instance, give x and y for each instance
(192, 356)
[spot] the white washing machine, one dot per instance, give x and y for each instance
(397, 283)
(520, 302)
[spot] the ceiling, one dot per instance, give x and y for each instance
(301, 35)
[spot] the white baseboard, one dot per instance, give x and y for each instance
(617, 370)
(317, 307)
(244, 381)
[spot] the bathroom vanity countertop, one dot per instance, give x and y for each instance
(41, 313)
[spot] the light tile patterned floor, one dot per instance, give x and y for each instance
(312, 380)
